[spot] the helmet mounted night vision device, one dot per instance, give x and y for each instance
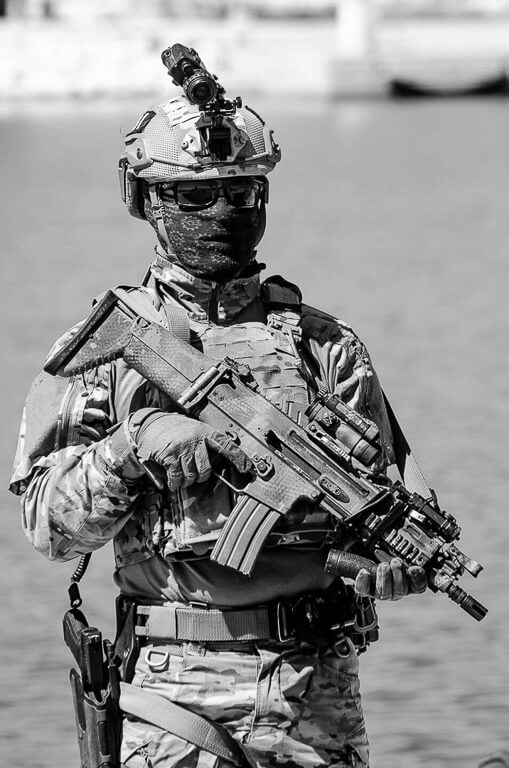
(203, 88)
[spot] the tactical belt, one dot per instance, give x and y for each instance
(281, 621)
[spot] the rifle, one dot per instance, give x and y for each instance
(324, 460)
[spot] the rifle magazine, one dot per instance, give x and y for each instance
(243, 535)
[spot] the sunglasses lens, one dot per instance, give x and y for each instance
(242, 193)
(192, 196)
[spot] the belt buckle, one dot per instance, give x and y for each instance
(283, 632)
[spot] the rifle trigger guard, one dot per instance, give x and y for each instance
(221, 476)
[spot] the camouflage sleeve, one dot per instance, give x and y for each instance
(74, 502)
(344, 367)
(74, 497)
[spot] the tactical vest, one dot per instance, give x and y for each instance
(186, 523)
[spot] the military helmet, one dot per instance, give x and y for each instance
(175, 141)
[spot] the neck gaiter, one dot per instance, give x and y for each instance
(216, 243)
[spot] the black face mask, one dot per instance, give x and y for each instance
(216, 243)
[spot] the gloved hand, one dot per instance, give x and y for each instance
(393, 581)
(185, 448)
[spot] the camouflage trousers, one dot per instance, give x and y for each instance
(288, 706)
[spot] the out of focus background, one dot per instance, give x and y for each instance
(390, 208)
(87, 48)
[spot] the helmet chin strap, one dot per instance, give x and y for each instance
(157, 212)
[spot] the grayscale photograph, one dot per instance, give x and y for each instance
(255, 383)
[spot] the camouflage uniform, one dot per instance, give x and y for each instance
(290, 704)
(287, 706)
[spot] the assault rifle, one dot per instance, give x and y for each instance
(322, 458)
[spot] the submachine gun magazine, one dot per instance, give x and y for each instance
(322, 459)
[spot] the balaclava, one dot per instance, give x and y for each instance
(215, 243)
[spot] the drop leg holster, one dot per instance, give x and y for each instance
(95, 691)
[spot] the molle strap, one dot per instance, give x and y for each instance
(177, 319)
(157, 212)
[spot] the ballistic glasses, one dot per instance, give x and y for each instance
(242, 192)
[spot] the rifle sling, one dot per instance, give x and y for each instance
(406, 462)
(181, 722)
(177, 319)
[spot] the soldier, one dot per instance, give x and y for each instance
(93, 450)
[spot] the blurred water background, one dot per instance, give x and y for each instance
(392, 215)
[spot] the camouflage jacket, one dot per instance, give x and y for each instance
(74, 490)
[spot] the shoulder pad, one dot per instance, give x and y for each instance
(278, 293)
(322, 325)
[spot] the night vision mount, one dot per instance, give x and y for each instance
(203, 89)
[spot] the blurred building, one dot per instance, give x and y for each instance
(90, 48)
(273, 9)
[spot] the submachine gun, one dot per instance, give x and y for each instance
(323, 460)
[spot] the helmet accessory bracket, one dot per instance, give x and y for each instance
(137, 153)
(215, 137)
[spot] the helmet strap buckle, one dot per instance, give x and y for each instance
(157, 211)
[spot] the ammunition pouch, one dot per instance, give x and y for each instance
(322, 619)
(364, 629)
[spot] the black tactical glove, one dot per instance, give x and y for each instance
(185, 448)
(393, 581)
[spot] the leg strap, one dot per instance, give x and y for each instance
(179, 721)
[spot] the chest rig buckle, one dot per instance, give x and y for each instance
(284, 303)
(285, 329)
